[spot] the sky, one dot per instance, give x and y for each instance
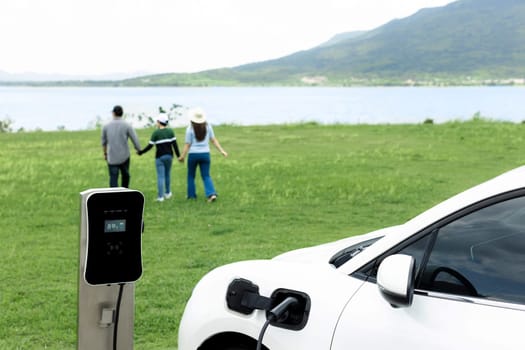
(97, 37)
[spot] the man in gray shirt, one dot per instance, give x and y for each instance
(115, 137)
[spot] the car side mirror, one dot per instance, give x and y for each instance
(396, 278)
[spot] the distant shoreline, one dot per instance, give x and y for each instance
(306, 124)
(518, 82)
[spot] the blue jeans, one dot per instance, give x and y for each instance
(202, 160)
(163, 165)
(114, 171)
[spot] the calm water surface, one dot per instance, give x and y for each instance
(79, 108)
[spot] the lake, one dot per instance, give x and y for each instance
(78, 108)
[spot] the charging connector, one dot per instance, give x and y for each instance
(297, 313)
(280, 310)
(285, 308)
(274, 315)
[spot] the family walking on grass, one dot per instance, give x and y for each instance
(197, 140)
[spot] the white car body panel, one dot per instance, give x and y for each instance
(324, 252)
(210, 312)
(343, 307)
(451, 325)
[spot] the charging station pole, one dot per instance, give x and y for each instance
(111, 224)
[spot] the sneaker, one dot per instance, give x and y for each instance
(168, 195)
(212, 198)
(160, 199)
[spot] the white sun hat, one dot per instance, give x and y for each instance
(197, 115)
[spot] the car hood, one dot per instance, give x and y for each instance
(322, 253)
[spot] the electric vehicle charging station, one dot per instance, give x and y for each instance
(111, 226)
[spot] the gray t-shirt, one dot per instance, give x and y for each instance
(115, 136)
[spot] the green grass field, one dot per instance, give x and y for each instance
(283, 187)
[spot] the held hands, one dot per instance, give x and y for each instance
(181, 159)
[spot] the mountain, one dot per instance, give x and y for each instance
(338, 38)
(465, 40)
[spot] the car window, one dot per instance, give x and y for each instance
(481, 254)
(416, 249)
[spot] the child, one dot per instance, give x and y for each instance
(164, 140)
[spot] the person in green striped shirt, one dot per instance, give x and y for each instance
(163, 138)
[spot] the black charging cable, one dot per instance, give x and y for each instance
(275, 314)
(117, 315)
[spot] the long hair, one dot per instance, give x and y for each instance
(200, 130)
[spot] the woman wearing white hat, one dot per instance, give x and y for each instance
(198, 136)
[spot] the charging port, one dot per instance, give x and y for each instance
(243, 296)
(296, 315)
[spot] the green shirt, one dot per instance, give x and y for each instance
(164, 139)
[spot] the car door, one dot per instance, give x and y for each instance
(469, 288)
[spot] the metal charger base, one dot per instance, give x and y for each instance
(94, 333)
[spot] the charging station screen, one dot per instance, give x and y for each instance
(114, 246)
(111, 226)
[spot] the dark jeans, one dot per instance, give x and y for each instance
(113, 174)
(203, 161)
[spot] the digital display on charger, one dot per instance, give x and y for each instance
(111, 226)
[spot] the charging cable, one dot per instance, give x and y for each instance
(276, 314)
(117, 314)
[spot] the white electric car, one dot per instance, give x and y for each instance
(451, 278)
